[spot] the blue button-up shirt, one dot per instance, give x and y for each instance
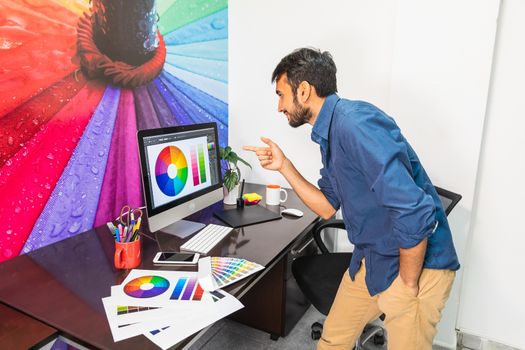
(387, 200)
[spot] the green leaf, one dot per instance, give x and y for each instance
(231, 178)
(244, 162)
(232, 158)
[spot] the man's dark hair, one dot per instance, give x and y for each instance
(311, 65)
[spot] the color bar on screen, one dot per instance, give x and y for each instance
(194, 166)
(202, 167)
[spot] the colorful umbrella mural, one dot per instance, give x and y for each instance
(70, 108)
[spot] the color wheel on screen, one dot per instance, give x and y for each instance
(146, 286)
(171, 171)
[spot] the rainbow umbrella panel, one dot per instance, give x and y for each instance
(70, 111)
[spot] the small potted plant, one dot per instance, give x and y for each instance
(232, 176)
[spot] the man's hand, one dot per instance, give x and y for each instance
(413, 288)
(411, 265)
(271, 157)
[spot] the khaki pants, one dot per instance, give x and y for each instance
(410, 321)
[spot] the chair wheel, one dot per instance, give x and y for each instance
(317, 329)
(379, 339)
(316, 335)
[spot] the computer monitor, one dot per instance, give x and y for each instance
(181, 174)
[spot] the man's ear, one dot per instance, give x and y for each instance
(304, 91)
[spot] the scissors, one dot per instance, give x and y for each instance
(129, 215)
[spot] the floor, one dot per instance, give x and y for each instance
(228, 334)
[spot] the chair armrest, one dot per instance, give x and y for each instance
(334, 223)
(453, 197)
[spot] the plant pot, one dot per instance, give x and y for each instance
(230, 197)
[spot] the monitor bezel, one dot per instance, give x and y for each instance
(141, 134)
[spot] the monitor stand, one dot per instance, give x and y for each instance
(182, 228)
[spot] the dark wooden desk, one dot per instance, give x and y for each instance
(62, 285)
(18, 331)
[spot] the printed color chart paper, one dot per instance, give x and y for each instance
(160, 288)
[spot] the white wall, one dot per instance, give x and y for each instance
(426, 65)
(438, 91)
(262, 32)
(492, 299)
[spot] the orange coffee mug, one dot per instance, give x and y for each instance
(127, 254)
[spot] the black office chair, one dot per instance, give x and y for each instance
(319, 276)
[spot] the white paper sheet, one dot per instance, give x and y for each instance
(181, 328)
(148, 315)
(121, 332)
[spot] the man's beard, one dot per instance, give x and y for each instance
(301, 115)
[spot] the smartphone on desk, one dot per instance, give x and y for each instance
(175, 258)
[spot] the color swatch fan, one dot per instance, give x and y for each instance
(218, 272)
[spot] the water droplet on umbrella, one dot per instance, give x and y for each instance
(9, 162)
(57, 229)
(40, 195)
(9, 232)
(75, 227)
(47, 186)
(18, 210)
(10, 140)
(218, 24)
(50, 156)
(8, 253)
(78, 211)
(94, 170)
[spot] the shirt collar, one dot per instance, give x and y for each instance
(322, 123)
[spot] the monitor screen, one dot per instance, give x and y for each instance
(178, 164)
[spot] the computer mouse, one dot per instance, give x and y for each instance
(292, 212)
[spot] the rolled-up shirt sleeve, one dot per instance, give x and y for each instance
(378, 151)
(326, 187)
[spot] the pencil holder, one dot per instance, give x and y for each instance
(127, 254)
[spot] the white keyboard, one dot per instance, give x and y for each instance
(206, 239)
